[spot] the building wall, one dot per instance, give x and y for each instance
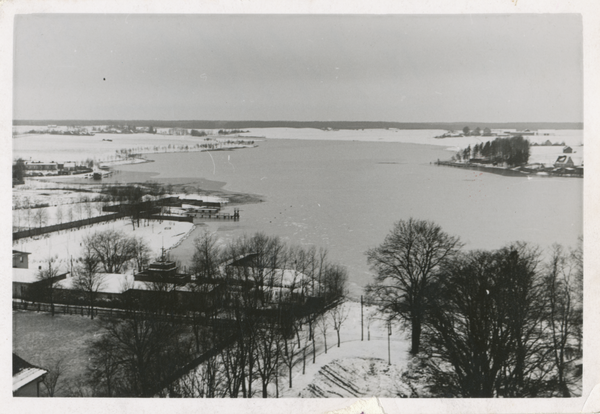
(20, 290)
(21, 261)
(40, 167)
(30, 390)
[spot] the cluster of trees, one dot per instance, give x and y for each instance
(18, 171)
(107, 251)
(255, 334)
(514, 151)
(476, 132)
(200, 133)
(499, 323)
(231, 131)
(134, 355)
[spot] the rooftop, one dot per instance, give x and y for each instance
(23, 372)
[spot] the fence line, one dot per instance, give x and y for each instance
(65, 226)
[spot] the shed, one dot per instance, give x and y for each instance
(26, 378)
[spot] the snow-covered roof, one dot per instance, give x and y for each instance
(30, 275)
(111, 282)
(24, 373)
(200, 197)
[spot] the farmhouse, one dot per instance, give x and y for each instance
(41, 166)
(26, 279)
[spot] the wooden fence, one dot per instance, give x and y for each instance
(65, 226)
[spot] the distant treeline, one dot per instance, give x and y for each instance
(303, 124)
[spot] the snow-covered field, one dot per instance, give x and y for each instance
(63, 201)
(36, 191)
(67, 244)
(411, 136)
(548, 155)
(104, 147)
(539, 154)
(78, 148)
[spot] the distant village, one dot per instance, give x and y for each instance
(487, 132)
(128, 129)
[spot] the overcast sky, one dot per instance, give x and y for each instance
(485, 68)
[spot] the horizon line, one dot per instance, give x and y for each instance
(288, 120)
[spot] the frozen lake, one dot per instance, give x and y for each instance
(346, 195)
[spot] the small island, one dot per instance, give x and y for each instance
(510, 156)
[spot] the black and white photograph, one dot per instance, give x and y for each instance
(300, 208)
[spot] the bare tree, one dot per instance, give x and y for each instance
(27, 207)
(146, 350)
(233, 359)
(291, 348)
(59, 214)
(323, 325)
(405, 265)
(268, 355)
(104, 370)
(78, 209)
(140, 251)
(47, 280)
(486, 323)
(565, 312)
(113, 248)
(98, 206)
(40, 216)
(87, 207)
(87, 279)
(70, 213)
(339, 315)
(205, 261)
(51, 379)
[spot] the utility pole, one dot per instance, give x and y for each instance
(362, 335)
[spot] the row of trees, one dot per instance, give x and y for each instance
(499, 323)
(477, 131)
(25, 215)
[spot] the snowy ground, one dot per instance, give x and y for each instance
(35, 192)
(412, 136)
(79, 148)
(548, 155)
(105, 147)
(67, 244)
(357, 368)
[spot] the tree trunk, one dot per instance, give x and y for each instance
(303, 360)
(338, 336)
(415, 336)
(264, 390)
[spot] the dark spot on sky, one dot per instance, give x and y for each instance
(103, 78)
